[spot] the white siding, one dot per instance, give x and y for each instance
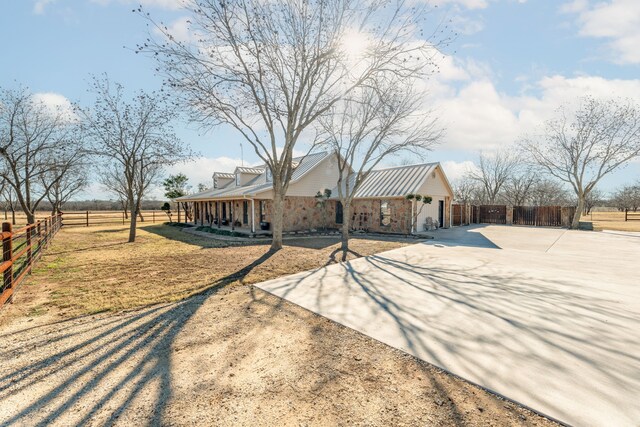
(324, 175)
(435, 186)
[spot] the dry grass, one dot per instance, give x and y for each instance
(91, 270)
(612, 221)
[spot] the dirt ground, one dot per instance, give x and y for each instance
(227, 355)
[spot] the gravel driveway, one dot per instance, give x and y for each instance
(547, 317)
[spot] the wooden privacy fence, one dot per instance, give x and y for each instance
(21, 248)
(91, 218)
(541, 216)
(492, 214)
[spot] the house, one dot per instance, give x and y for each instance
(242, 200)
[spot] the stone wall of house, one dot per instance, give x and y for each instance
(300, 214)
(365, 215)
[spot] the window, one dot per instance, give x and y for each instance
(269, 175)
(263, 215)
(385, 213)
(339, 213)
(245, 212)
(238, 180)
(224, 210)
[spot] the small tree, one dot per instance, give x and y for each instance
(166, 207)
(372, 125)
(421, 202)
(321, 203)
(135, 140)
(593, 199)
(601, 137)
(176, 186)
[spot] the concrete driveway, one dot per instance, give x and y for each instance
(549, 318)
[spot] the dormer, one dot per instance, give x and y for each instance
(221, 179)
(244, 175)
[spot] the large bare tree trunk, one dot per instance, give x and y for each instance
(277, 218)
(575, 224)
(346, 222)
(132, 224)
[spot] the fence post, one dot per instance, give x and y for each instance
(87, 218)
(626, 215)
(29, 251)
(7, 254)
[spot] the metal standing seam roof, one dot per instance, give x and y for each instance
(252, 171)
(259, 184)
(394, 182)
(223, 175)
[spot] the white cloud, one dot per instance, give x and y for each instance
(617, 21)
(477, 116)
(457, 170)
(40, 5)
(55, 102)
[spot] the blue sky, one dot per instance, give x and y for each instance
(514, 62)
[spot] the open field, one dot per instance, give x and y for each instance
(612, 221)
(229, 355)
(96, 218)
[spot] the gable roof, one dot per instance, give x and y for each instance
(394, 182)
(259, 184)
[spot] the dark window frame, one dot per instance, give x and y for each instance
(245, 212)
(262, 205)
(339, 213)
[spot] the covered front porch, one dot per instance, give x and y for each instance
(245, 216)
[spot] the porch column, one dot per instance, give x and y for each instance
(218, 213)
(231, 215)
(253, 215)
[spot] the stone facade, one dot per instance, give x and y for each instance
(366, 216)
(303, 213)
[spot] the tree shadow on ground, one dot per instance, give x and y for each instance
(494, 326)
(80, 375)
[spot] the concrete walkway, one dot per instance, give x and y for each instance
(549, 318)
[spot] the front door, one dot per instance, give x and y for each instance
(441, 212)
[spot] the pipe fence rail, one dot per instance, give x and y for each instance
(21, 248)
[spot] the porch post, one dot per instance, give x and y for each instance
(253, 215)
(231, 214)
(218, 213)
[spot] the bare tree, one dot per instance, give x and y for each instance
(593, 199)
(548, 192)
(494, 171)
(39, 145)
(271, 69)
(9, 203)
(518, 188)
(628, 197)
(600, 138)
(372, 124)
(468, 191)
(135, 140)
